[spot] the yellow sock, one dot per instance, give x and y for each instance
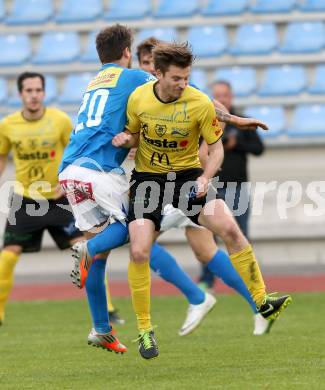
(247, 267)
(139, 282)
(8, 261)
(110, 306)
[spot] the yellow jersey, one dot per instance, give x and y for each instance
(170, 132)
(37, 150)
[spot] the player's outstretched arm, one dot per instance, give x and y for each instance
(126, 140)
(240, 123)
(247, 123)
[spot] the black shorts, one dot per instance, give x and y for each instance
(27, 220)
(151, 192)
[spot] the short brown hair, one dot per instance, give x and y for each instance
(111, 42)
(146, 46)
(177, 54)
(223, 82)
(29, 75)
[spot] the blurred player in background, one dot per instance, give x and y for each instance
(37, 136)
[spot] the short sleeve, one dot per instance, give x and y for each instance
(132, 122)
(209, 124)
(5, 144)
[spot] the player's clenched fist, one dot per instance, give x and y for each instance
(202, 186)
(121, 139)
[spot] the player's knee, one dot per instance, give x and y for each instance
(231, 232)
(15, 249)
(139, 255)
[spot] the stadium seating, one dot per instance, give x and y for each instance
(14, 99)
(208, 41)
(318, 85)
(164, 33)
(128, 9)
(51, 89)
(235, 40)
(179, 8)
(90, 54)
(283, 80)
(2, 9)
(274, 116)
(74, 88)
(57, 48)
(312, 5)
(255, 39)
(243, 80)
(272, 6)
(15, 49)
(199, 79)
(30, 12)
(3, 90)
(83, 11)
(304, 38)
(308, 121)
(229, 7)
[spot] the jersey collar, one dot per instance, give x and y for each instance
(104, 66)
(33, 120)
(158, 98)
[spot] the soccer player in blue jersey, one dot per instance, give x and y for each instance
(97, 189)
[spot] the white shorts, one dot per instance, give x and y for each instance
(95, 197)
(175, 218)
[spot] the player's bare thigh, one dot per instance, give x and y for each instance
(217, 217)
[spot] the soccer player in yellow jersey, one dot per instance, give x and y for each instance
(166, 119)
(37, 136)
(200, 239)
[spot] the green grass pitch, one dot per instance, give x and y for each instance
(43, 346)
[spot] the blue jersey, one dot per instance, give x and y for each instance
(101, 116)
